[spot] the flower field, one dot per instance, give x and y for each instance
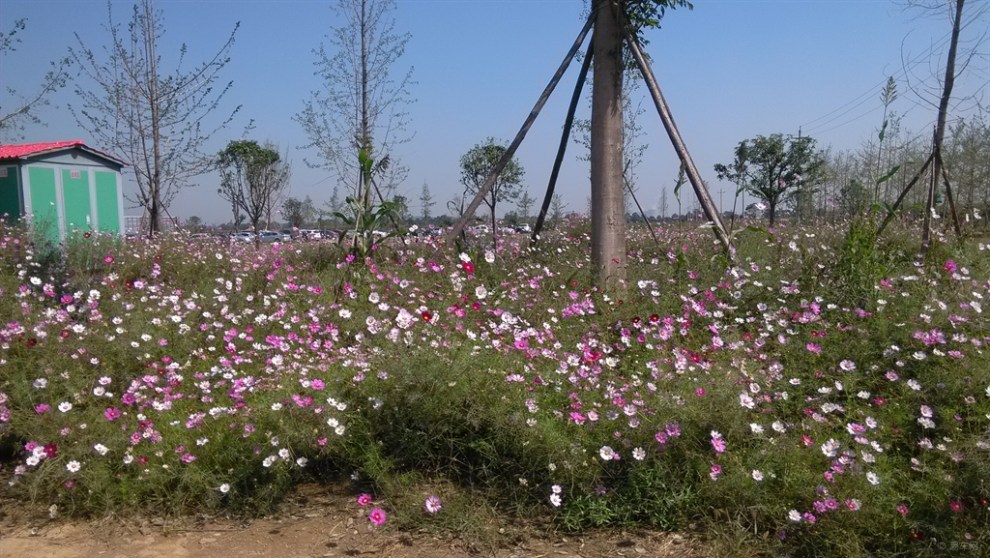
(823, 397)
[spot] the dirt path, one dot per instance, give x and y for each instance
(323, 525)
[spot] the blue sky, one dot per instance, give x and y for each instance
(730, 69)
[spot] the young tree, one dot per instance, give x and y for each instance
(774, 168)
(258, 172)
(157, 121)
(401, 207)
(362, 108)
(608, 183)
(298, 212)
(557, 206)
(426, 202)
(334, 205)
(12, 120)
(524, 204)
(194, 223)
(479, 162)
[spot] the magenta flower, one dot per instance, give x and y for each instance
(377, 516)
(111, 413)
(715, 471)
(432, 504)
(364, 499)
(718, 443)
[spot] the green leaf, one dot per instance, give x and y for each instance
(890, 174)
(366, 162)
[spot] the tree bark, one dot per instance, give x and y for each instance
(943, 109)
(608, 220)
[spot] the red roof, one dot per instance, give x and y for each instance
(32, 149)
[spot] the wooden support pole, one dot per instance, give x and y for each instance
(904, 192)
(565, 137)
(949, 196)
(642, 213)
(511, 150)
(700, 190)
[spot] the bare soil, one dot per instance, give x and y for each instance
(317, 521)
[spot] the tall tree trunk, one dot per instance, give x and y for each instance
(608, 221)
(151, 54)
(943, 109)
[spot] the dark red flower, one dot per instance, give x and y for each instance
(427, 317)
(468, 267)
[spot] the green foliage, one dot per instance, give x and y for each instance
(774, 168)
(846, 378)
(478, 164)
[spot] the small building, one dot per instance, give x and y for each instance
(61, 188)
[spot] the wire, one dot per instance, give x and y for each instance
(814, 127)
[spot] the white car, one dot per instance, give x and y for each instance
(270, 236)
(243, 236)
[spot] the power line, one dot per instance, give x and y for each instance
(861, 99)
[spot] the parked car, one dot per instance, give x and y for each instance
(270, 236)
(243, 236)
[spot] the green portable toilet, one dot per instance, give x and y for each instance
(61, 188)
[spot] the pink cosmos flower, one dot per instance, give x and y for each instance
(111, 413)
(364, 499)
(377, 516)
(715, 471)
(718, 443)
(432, 504)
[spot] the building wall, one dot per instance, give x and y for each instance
(109, 201)
(10, 196)
(63, 199)
(42, 192)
